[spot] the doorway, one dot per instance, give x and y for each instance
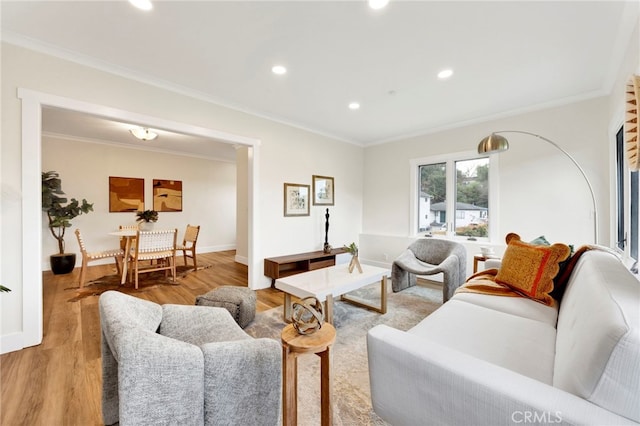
(32, 104)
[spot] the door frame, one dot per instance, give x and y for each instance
(32, 104)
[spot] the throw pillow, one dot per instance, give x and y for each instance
(529, 269)
(558, 283)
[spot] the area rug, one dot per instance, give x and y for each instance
(351, 390)
(146, 281)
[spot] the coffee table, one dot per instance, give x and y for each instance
(327, 283)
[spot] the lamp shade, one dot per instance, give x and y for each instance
(493, 144)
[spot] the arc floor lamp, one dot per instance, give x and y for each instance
(495, 143)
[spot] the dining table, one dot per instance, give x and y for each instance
(129, 235)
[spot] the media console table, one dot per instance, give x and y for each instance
(283, 266)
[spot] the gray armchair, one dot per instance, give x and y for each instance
(429, 256)
(187, 365)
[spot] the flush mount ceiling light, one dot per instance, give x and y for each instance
(377, 4)
(144, 134)
(444, 74)
(142, 4)
(279, 69)
(354, 105)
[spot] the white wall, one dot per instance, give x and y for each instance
(541, 191)
(286, 154)
(208, 193)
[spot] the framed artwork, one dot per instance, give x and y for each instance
(323, 191)
(167, 195)
(126, 194)
(296, 199)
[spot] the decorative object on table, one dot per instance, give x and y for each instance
(296, 199)
(60, 212)
(167, 195)
(494, 143)
(327, 247)
(355, 263)
(307, 316)
(323, 191)
(632, 121)
(486, 251)
(146, 218)
(126, 194)
(239, 301)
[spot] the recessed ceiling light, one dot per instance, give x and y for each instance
(143, 133)
(354, 105)
(142, 4)
(377, 4)
(444, 74)
(279, 69)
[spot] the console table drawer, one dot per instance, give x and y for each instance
(323, 263)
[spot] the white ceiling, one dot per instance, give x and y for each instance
(507, 56)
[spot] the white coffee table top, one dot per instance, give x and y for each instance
(335, 280)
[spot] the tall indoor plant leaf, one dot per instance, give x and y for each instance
(59, 210)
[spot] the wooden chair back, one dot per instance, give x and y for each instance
(157, 245)
(191, 236)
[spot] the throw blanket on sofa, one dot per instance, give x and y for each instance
(484, 282)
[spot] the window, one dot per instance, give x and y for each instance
(452, 196)
(627, 217)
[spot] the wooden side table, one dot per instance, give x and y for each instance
(478, 258)
(294, 344)
(481, 258)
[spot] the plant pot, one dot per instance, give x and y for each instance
(62, 263)
(146, 226)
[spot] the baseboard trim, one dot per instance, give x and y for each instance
(11, 342)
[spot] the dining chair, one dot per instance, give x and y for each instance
(123, 240)
(87, 257)
(189, 245)
(157, 245)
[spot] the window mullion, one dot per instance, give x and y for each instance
(451, 197)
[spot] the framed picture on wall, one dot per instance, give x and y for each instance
(167, 195)
(323, 190)
(296, 199)
(126, 194)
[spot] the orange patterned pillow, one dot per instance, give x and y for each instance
(529, 269)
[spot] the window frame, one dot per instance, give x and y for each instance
(625, 183)
(450, 160)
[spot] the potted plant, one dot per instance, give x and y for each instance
(60, 212)
(146, 217)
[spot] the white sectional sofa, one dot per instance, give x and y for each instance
(492, 360)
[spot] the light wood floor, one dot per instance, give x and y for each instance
(59, 381)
